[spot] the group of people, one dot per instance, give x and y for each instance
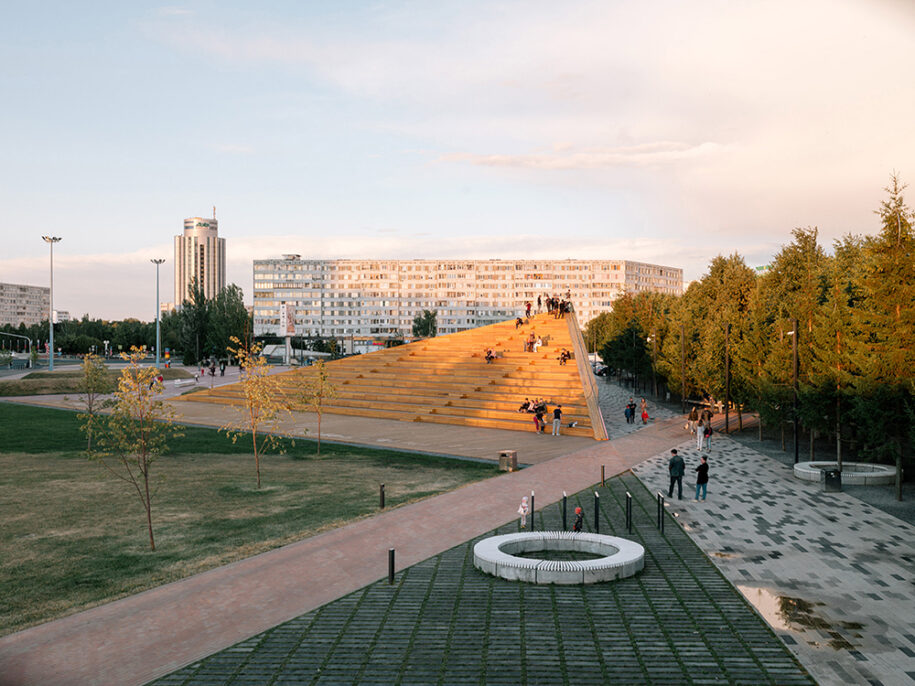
(630, 411)
(533, 343)
(538, 408)
(676, 467)
(700, 425)
(564, 356)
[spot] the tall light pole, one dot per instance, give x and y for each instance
(51, 240)
(794, 335)
(157, 262)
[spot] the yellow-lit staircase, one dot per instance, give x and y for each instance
(446, 380)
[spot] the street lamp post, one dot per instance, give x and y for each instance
(795, 334)
(683, 368)
(727, 376)
(51, 240)
(157, 262)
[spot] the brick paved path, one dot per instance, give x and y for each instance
(443, 622)
(833, 574)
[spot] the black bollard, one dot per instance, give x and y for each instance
(390, 565)
(661, 511)
(602, 477)
(596, 512)
(533, 522)
(628, 512)
(381, 496)
(565, 499)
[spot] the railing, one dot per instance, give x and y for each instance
(589, 385)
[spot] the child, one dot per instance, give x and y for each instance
(578, 518)
(523, 509)
(708, 436)
(644, 415)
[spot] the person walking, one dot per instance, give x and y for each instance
(676, 467)
(631, 406)
(708, 435)
(557, 419)
(693, 419)
(576, 525)
(700, 434)
(702, 478)
(523, 510)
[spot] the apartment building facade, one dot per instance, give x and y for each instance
(21, 304)
(380, 298)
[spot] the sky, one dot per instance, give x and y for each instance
(660, 131)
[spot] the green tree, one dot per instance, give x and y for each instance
(93, 383)
(136, 432)
(195, 319)
(227, 317)
(424, 325)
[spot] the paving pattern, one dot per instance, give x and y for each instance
(613, 398)
(444, 622)
(833, 575)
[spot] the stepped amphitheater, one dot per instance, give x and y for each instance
(446, 380)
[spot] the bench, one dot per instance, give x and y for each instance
(184, 382)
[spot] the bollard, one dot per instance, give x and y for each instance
(628, 512)
(661, 511)
(596, 512)
(381, 496)
(390, 565)
(533, 522)
(602, 478)
(565, 499)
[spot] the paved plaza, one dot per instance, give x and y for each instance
(833, 575)
(444, 622)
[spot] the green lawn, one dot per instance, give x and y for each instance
(66, 380)
(72, 536)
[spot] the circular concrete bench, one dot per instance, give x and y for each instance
(853, 473)
(496, 556)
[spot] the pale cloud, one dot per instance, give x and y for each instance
(638, 155)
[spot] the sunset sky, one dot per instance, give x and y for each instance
(659, 131)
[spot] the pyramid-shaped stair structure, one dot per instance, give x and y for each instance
(446, 380)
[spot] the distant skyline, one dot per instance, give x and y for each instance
(661, 131)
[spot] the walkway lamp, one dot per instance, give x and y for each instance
(794, 335)
(157, 262)
(51, 240)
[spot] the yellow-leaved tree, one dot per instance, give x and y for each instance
(264, 403)
(137, 431)
(314, 388)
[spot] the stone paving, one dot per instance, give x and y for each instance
(444, 622)
(833, 575)
(613, 398)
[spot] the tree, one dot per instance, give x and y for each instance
(424, 325)
(314, 388)
(263, 403)
(195, 319)
(136, 432)
(93, 383)
(226, 317)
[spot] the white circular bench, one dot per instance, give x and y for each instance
(853, 473)
(496, 555)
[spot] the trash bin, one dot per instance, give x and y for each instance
(831, 480)
(508, 460)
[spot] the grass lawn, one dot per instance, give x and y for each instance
(73, 536)
(67, 381)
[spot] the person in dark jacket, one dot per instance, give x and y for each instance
(576, 526)
(676, 467)
(702, 478)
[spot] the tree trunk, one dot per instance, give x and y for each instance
(783, 437)
(838, 435)
(760, 429)
(152, 541)
(899, 473)
(257, 463)
(319, 432)
(812, 438)
(739, 418)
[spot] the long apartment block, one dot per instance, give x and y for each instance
(20, 304)
(380, 298)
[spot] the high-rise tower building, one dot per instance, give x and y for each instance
(199, 255)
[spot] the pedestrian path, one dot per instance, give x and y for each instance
(613, 399)
(831, 574)
(136, 639)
